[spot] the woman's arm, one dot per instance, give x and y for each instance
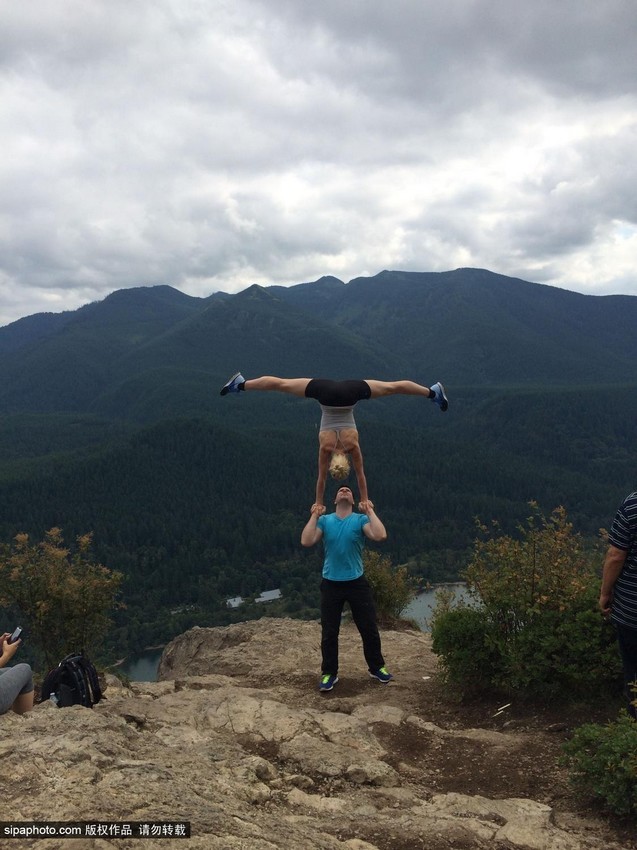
(7, 650)
(357, 462)
(323, 466)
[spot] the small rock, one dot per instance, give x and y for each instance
(557, 727)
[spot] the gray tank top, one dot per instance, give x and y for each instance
(336, 418)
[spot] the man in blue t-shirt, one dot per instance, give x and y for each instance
(618, 595)
(343, 534)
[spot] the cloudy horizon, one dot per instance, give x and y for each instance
(210, 146)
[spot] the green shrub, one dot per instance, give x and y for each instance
(557, 654)
(602, 762)
(393, 588)
(463, 638)
(537, 630)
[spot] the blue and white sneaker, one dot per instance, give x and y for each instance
(328, 680)
(440, 398)
(382, 674)
(233, 384)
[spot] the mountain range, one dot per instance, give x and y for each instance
(144, 353)
(111, 422)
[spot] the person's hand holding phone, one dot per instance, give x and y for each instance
(9, 647)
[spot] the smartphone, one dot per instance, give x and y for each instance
(15, 635)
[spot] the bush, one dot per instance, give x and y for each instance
(537, 630)
(63, 597)
(602, 762)
(463, 638)
(393, 588)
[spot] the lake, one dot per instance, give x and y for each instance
(141, 667)
(421, 607)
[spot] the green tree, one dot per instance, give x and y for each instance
(63, 596)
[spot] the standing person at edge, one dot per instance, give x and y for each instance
(618, 595)
(343, 534)
(338, 435)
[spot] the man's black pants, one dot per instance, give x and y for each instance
(334, 595)
(627, 639)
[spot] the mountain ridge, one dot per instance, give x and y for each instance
(466, 326)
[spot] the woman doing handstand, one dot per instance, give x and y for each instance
(338, 435)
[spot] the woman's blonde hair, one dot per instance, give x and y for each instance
(339, 466)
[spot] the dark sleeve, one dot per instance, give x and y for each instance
(622, 532)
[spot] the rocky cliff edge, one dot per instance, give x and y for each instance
(236, 739)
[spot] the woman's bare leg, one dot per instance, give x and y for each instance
(381, 388)
(23, 703)
(269, 383)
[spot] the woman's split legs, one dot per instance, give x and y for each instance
(298, 386)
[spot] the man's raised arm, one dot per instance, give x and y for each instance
(311, 534)
(374, 529)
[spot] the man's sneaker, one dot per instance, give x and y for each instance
(440, 398)
(328, 680)
(382, 674)
(233, 384)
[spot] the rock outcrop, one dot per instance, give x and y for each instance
(236, 739)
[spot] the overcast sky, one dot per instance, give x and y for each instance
(212, 144)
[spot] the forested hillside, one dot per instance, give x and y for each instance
(113, 423)
(147, 353)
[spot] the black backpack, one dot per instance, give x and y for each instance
(73, 682)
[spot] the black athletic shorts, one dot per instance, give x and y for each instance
(337, 393)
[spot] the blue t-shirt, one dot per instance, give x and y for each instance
(343, 540)
(623, 535)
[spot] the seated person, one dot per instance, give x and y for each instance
(16, 683)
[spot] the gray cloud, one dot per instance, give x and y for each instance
(213, 145)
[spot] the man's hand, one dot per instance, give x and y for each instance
(317, 509)
(365, 506)
(605, 600)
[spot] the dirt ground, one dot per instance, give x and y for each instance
(476, 767)
(467, 765)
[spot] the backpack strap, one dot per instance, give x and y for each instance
(91, 677)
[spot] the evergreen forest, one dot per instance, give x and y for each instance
(111, 423)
